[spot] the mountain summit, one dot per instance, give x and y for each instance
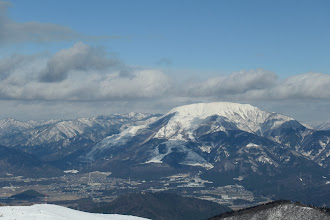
(226, 137)
(225, 115)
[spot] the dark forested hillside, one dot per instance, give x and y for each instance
(162, 206)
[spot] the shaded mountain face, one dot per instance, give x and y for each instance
(162, 206)
(277, 210)
(220, 137)
(316, 147)
(18, 163)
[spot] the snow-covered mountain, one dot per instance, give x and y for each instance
(56, 138)
(41, 132)
(277, 210)
(191, 124)
(325, 125)
(223, 143)
(245, 117)
(237, 139)
(208, 135)
(55, 212)
(184, 123)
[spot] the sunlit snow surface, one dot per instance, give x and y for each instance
(54, 212)
(287, 212)
(44, 132)
(189, 117)
(115, 140)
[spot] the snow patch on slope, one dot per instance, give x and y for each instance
(115, 140)
(252, 145)
(168, 147)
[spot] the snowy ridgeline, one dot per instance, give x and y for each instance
(55, 212)
(277, 212)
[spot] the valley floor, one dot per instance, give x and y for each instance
(100, 187)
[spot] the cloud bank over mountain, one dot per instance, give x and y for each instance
(85, 73)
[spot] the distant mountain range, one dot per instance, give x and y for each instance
(55, 139)
(324, 125)
(226, 143)
(225, 137)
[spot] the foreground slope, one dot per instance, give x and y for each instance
(277, 210)
(54, 212)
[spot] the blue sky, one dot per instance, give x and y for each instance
(287, 37)
(191, 42)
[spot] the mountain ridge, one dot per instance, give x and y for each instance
(220, 143)
(281, 209)
(259, 151)
(54, 139)
(186, 123)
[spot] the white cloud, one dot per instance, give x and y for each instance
(81, 73)
(85, 76)
(235, 83)
(84, 73)
(79, 57)
(262, 85)
(11, 64)
(143, 84)
(303, 86)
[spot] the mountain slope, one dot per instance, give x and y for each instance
(19, 163)
(224, 143)
(325, 125)
(208, 134)
(54, 139)
(277, 210)
(54, 212)
(316, 146)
